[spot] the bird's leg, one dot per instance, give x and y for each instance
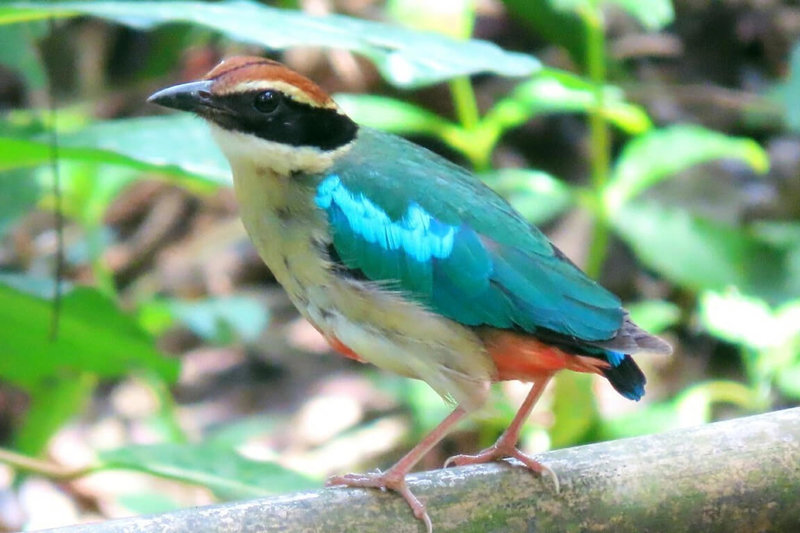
(506, 445)
(395, 478)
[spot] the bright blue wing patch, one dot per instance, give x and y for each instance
(417, 233)
(461, 274)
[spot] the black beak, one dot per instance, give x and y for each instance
(193, 96)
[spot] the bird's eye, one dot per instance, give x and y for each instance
(267, 101)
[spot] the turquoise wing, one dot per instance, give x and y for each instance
(424, 226)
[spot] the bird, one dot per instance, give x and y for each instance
(405, 260)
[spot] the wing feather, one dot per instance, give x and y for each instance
(424, 226)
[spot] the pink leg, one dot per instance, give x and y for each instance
(506, 445)
(395, 478)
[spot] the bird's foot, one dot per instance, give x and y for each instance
(501, 450)
(386, 481)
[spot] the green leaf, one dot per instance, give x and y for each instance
(87, 190)
(537, 195)
(180, 145)
(787, 93)
(749, 321)
(18, 194)
(448, 17)
(17, 52)
(142, 503)
(572, 5)
(574, 409)
(213, 319)
(406, 58)
(553, 91)
(396, 116)
(699, 253)
(788, 381)
(565, 28)
(653, 14)
(660, 154)
(52, 403)
(94, 336)
(691, 407)
(228, 474)
(654, 315)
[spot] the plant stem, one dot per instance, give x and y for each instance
(464, 101)
(43, 468)
(599, 138)
(469, 118)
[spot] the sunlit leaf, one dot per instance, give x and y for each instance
(700, 253)
(553, 91)
(86, 189)
(654, 315)
(653, 14)
(571, 5)
(750, 321)
(227, 473)
(406, 58)
(788, 381)
(448, 17)
(179, 145)
(537, 195)
(94, 336)
(661, 154)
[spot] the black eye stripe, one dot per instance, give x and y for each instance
(275, 116)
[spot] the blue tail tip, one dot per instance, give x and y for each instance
(635, 393)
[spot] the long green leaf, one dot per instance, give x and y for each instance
(652, 14)
(228, 474)
(406, 58)
(94, 336)
(700, 253)
(660, 154)
(554, 91)
(179, 145)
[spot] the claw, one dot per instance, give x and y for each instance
(499, 451)
(386, 481)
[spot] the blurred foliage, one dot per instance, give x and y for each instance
(229, 475)
(736, 279)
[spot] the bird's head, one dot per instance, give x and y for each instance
(264, 114)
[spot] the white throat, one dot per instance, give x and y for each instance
(281, 159)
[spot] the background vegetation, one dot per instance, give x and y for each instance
(653, 140)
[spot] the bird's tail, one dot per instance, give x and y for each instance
(626, 377)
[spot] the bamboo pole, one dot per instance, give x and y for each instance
(737, 475)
